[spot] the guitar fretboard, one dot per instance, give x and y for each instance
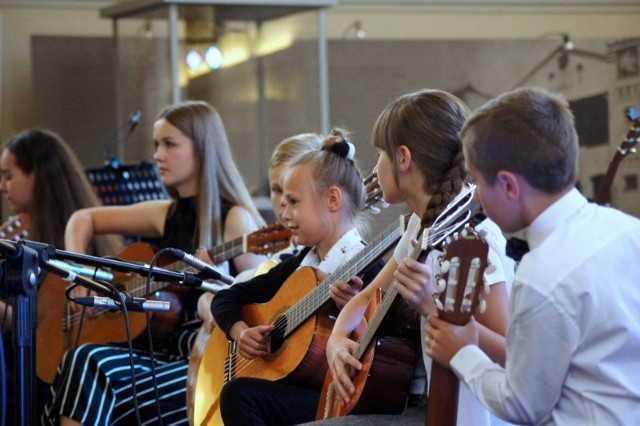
(309, 304)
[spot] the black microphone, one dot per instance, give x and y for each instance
(132, 303)
(205, 269)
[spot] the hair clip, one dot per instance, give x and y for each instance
(344, 149)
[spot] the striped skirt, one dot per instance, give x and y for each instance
(93, 386)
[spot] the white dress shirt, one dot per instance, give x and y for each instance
(470, 411)
(573, 343)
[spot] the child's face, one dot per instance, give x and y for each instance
(386, 179)
(275, 182)
(496, 202)
(304, 213)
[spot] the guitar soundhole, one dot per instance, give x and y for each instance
(276, 339)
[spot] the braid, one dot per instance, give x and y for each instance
(446, 190)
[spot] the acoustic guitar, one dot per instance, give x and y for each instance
(459, 281)
(374, 379)
(59, 328)
(16, 227)
(199, 346)
(627, 146)
(303, 320)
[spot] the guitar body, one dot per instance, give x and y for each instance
(195, 358)
(199, 346)
(387, 363)
(57, 332)
(299, 359)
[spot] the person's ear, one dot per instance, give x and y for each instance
(403, 158)
(509, 184)
(334, 198)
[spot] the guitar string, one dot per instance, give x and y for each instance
(219, 254)
(320, 294)
(460, 207)
(241, 366)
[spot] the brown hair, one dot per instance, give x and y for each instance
(60, 188)
(528, 131)
(427, 122)
(219, 176)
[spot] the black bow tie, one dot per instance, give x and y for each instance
(516, 248)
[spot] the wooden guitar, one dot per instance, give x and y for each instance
(199, 346)
(303, 320)
(462, 268)
(16, 227)
(373, 380)
(59, 328)
(627, 146)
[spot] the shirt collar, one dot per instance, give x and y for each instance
(553, 216)
(350, 243)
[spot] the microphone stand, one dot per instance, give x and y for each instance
(22, 275)
(181, 278)
(21, 280)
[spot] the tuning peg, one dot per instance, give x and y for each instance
(441, 285)
(487, 287)
(482, 306)
(490, 269)
(444, 266)
(439, 304)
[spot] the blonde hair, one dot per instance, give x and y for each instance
(292, 146)
(333, 167)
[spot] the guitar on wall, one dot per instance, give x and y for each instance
(374, 379)
(458, 285)
(59, 328)
(627, 146)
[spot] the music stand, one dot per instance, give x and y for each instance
(117, 184)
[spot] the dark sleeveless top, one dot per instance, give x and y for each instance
(181, 232)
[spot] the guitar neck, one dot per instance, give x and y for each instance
(228, 250)
(309, 304)
(137, 287)
(627, 146)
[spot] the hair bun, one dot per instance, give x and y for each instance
(344, 149)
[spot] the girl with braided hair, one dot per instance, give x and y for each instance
(420, 162)
(323, 199)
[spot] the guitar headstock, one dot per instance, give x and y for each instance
(456, 214)
(461, 276)
(16, 227)
(633, 136)
(269, 239)
(374, 194)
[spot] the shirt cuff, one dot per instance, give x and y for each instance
(469, 362)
